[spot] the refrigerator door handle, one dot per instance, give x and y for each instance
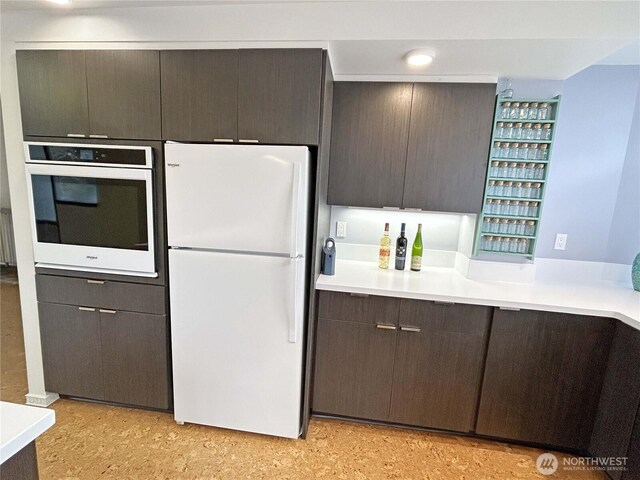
(295, 203)
(295, 301)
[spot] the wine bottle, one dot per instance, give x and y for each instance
(401, 249)
(416, 251)
(385, 248)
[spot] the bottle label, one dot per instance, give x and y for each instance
(416, 262)
(385, 252)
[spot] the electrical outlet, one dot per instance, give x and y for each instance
(561, 241)
(341, 229)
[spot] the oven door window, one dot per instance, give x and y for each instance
(96, 212)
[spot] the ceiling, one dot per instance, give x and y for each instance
(476, 40)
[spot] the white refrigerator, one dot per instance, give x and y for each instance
(237, 231)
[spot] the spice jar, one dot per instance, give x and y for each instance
(543, 111)
(523, 114)
(514, 114)
(544, 152)
(505, 110)
(533, 111)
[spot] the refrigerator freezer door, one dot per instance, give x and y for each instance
(234, 365)
(250, 198)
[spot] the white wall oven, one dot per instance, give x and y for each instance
(91, 207)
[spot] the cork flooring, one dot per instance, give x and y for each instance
(92, 441)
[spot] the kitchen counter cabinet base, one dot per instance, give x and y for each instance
(438, 369)
(354, 369)
(23, 465)
(543, 377)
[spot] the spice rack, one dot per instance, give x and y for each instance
(521, 144)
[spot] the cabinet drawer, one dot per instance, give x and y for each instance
(355, 307)
(131, 297)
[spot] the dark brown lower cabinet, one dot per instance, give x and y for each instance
(134, 356)
(354, 369)
(23, 465)
(71, 350)
(633, 453)
(438, 364)
(543, 377)
(620, 398)
(108, 355)
(405, 361)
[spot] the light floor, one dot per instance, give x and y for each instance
(91, 441)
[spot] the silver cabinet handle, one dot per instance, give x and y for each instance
(359, 295)
(448, 304)
(96, 282)
(77, 135)
(390, 208)
(410, 329)
(86, 309)
(410, 209)
(382, 326)
(224, 140)
(98, 136)
(510, 309)
(103, 310)
(248, 140)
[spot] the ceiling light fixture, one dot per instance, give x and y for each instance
(61, 2)
(419, 58)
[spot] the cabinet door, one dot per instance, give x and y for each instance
(369, 143)
(124, 93)
(134, 355)
(199, 95)
(279, 94)
(620, 398)
(543, 377)
(438, 367)
(71, 351)
(53, 92)
(448, 148)
(633, 453)
(354, 369)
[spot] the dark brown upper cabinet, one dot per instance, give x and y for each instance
(279, 94)
(199, 95)
(422, 145)
(369, 143)
(448, 150)
(439, 363)
(124, 93)
(543, 377)
(93, 93)
(53, 92)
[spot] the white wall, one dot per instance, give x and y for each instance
(624, 236)
(589, 151)
(365, 226)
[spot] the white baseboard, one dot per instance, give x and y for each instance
(38, 400)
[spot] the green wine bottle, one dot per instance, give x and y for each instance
(416, 251)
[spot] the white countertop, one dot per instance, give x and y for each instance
(603, 299)
(20, 425)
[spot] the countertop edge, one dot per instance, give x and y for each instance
(27, 434)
